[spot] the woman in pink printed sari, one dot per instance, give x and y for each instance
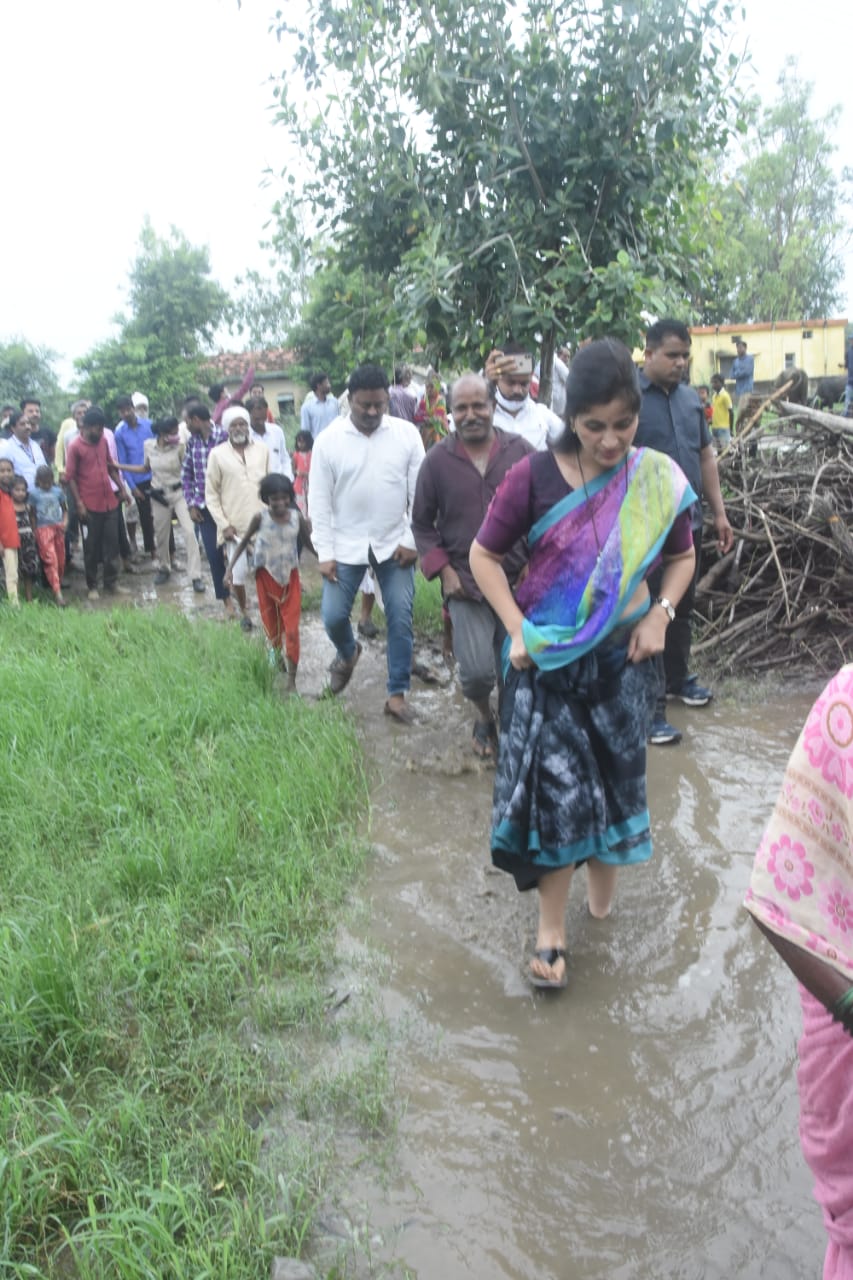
(801, 897)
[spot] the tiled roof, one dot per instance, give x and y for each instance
(231, 364)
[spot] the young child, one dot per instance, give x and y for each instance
(51, 518)
(28, 556)
(705, 402)
(303, 444)
(278, 535)
(10, 539)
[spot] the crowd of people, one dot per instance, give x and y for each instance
(567, 547)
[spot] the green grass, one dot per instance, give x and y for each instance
(426, 614)
(175, 844)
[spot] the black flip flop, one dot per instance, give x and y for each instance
(485, 736)
(550, 955)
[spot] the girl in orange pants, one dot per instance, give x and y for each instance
(279, 534)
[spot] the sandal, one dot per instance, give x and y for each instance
(550, 956)
(400, 712)
(484, 739)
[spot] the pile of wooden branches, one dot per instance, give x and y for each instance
(784, 594)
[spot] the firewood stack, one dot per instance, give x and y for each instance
(783, 597)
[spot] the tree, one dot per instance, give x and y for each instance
(175, 310)
(28, 371)
(172, 295)
(131, 363)
(265, 309)
(510, 167)
(778, 227)
(349, 317)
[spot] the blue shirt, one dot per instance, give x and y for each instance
(130, 447)
(675, 424)
(48, 504)
(317, 414)
(743, 371)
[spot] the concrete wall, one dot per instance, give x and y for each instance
(275, 385)
(814, 345)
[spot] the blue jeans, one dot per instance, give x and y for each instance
(215, 555)
(398, 590)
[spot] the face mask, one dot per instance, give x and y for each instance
(509, 406)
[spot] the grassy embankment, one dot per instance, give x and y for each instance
(175, 844)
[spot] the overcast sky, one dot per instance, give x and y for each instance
(112, 111)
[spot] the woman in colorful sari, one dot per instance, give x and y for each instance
(598, 514)
(431, 412)
(801, 897)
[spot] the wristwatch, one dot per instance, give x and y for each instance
(667, 605)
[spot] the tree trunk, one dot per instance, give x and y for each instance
(546, 367)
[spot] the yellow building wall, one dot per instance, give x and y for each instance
(814, 345)
(275, 385)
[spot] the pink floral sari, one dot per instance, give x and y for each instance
(802, 890)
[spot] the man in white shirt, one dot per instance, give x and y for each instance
(363, 473)
(514, 409)
(270, 434)
(24, 453)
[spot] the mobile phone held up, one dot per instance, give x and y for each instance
(521, 364)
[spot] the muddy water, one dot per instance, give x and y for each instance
(640, 1125)
(644, 1122)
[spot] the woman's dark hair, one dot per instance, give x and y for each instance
(164, 427)
(276, 483)
(600, 372)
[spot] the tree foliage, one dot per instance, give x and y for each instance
(172, 294)
(265, 308)
(510, 167)
(175, 310)
(349, 317)
(777, 228)
(26, 370)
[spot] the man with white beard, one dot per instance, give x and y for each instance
(510, 369)
(234, 472)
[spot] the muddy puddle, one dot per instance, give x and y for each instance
(640, 1125)
(644, 1122)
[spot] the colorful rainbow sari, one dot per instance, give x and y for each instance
(591, 551)
(570, 782)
